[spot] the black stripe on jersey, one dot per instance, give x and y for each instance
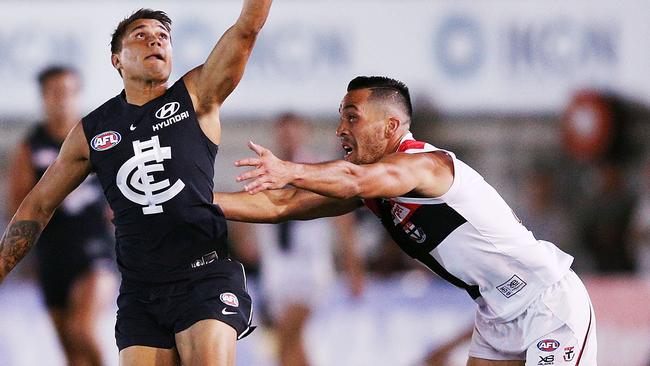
(445, 220)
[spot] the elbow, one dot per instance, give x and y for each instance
(249, 29)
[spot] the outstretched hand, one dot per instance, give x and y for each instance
(269, 172)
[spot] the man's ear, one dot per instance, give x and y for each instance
(391, 126)
(115, 61)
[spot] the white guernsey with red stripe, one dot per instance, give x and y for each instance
(470, 237)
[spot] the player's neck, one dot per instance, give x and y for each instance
(58, 129)
(395, 142)
(139, 92)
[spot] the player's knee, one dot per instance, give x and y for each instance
(80, 333)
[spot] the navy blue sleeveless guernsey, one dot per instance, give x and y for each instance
(156, 167)
(63, 235)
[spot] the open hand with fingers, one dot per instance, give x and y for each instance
(269, 172)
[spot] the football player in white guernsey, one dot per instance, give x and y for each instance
(141, 51)
(531, 308)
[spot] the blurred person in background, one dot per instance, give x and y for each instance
(640, 225)
(606, 220)
(296, 258)
(153, 147)
(74, 251)
(531, 308)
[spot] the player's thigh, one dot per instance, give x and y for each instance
(473, 361)
(90, 292)
(207, 342)
(149, 356)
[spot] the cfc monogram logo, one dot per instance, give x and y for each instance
(135, 181)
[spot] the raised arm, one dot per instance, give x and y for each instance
(65, 174)
(278, 205)
(211, 83)
(426, 175)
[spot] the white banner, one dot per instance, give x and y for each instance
(460, 56)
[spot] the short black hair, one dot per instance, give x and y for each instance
(384, 87)
(54, 70)
(118, 34)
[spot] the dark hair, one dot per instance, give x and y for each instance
(384, 87)
(54, 70)
(116, 38)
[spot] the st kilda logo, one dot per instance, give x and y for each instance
(105, 140)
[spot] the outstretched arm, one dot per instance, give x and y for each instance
(427, 175)
(278, 205)
(65, 174)
(211, 83)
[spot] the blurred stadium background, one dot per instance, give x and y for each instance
(547, 99)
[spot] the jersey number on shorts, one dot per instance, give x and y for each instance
(135, 179)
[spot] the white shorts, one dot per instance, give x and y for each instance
(558, 328)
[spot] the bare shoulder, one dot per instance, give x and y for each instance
(75, 147)
(191, 81)
(433, 171)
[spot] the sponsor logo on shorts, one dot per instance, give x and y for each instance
(512, 286)
(569, 353)
(229, 299)
(546, 360)
(105, 140)
(548, 345)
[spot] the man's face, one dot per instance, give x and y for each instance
(362, 128)
(61, 94)
(146, 52)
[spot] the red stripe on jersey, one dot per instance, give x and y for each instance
(584, 343)
(410, 144)
(373, 206)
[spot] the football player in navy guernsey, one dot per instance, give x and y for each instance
(532, 309)
(73, 254)
(152, 147)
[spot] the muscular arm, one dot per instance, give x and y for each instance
(211, 83)
(278, 205)
(65, 174)
(21, 177)
(427, 175)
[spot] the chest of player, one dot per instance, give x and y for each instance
(164, 131)
(416, 226)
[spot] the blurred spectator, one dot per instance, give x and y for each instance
(640, 227)
(296, 258)
(74, 250)
(543, 212)
(606, 220)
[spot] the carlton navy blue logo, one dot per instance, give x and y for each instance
(105, 140)
(167, 110)
(136, 181)
(548, 345)
(229, 299)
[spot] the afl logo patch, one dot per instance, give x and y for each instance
(229, 299)
(105, 140)
(548, 345)
(168, 110)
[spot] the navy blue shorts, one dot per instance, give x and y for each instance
(61, 267)
(151, 315)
